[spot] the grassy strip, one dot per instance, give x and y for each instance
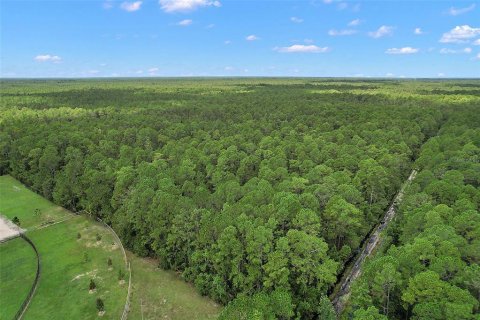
(18, 264)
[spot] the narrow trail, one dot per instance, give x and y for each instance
(340, 298)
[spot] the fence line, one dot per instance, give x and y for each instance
(126, 309)
(28, 299)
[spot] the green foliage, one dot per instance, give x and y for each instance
(16, 220)
(432, 271)
(92, 285)
(253, 186)
(100, 305)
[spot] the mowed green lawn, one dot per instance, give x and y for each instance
(63, 288)
(67, 263)
(18, 264)
(33, 210)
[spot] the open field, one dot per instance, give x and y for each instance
(31, 209)
(63, 291)
(18, 264)
(171, 298)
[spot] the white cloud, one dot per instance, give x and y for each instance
(153, 70)
(404, 50)
(327, 1)
(108, 4)
(418, 31)
(228, 68)
(381, 32)
(477, 57)
(252, 37)
(185, 23)
(300, 48)
(457, 11)
(441, 74)
(47, 58)
(210, 26)
(131, 6)
(389, 75)
(354, 23)
(460, 34)
(476, 42)
(342, 6)
(452, 51)
(346, 32)
(296, 20)
(186, 5)
(227, 42)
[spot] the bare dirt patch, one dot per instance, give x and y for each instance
(8, 229)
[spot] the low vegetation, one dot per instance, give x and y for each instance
(18, 264)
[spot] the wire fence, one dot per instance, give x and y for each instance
(28, 299)
(126, 309)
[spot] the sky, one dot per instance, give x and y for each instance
(170, 38)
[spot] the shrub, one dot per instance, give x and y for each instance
(100, 304)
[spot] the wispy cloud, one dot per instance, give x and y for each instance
(153, 71)
(131, 6)
(418, 31)
(477, 57)
(458, 11)
(185, 23)
(108, 4)
(460, 34)
(354, 23)
(476, 42)
(346, 32)
(404, 50)
(47, 58)
(296, 19)
(252, 37)
(452, 51)
(186, 5)
(381, 32)
(301, 48)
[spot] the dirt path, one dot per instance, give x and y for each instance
(342, 295)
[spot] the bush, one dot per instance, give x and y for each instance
(16, 220)
(121, 274)
(92, 285)
(109, 262)
(100, 304)
(99, 237)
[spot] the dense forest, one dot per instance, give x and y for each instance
(260, 190)
(429, 268)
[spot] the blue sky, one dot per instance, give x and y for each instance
(239, 38)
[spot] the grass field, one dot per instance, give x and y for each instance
(63, 291)
(32, 209)
(171, 298)
(18, 265)
(67, 263)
